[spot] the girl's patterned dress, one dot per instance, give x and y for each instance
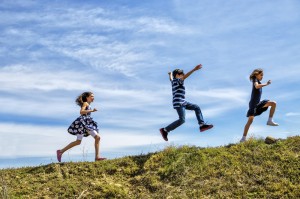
(83, 124)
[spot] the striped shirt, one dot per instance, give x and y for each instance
(178, 90)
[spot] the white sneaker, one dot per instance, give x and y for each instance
(242, 140)
(271, 123)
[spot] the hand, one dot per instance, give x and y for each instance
(94, 110)
(169, 73)
(269, 82)
(199, 66)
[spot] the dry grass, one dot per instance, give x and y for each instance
(249, 170)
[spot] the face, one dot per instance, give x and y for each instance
(260, 76)
(90, 98)
(179, 75)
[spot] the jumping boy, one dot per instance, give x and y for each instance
(177, 78)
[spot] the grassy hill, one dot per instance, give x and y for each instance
(249, 170)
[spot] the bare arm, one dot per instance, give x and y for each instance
(199, 66)
(170, 76)
(83, 111)
(258, 86)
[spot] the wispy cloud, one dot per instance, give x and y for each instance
(120, 102)
(88, 35)
(292, 114)
(30, 77)
(50, 53)
(16, 140)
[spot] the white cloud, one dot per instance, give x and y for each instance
(28, 77)
(85, 36)
(292, 114)
(17, 140)
(17, 3)
(54, 93)
(51, 53)
(160, 25)
(223, 94)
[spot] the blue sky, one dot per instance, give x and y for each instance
(51, 51)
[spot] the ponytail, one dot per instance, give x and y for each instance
(82, 98)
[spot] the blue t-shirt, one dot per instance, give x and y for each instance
(255, 95)
(178, 90)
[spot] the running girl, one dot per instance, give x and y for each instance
(83, 126)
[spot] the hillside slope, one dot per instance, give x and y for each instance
(249, 170)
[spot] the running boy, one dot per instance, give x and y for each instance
(257, 107)
(177, 78)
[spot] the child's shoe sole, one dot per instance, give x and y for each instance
(206, 128)
(164, 134)
(100, 159)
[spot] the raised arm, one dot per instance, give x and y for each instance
(199, 66)
(170, 76)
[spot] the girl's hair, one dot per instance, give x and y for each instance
(82, 98)
(254, 73)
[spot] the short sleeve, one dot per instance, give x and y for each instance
(180, 81)
(255, 81)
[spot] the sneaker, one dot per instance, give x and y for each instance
(164, 134)
(205, 127)
(100, 159)
(243, 140)
(271, 123)
(58, 155)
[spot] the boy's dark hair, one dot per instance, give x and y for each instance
(177, 72)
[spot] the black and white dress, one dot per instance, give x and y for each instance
(83, 124)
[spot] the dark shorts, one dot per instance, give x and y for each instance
(258, 109)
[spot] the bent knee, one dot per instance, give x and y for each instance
(182, 121)
(97, 138)
(272, 103)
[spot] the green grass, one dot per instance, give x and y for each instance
(249, 170)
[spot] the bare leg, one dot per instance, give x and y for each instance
(272, 104)
(71, 145)
(60, 152)
(97, 145)
(247, 126)
(273, 107)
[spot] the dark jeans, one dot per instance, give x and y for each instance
(181, 114)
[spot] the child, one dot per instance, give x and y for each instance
(257, 107)
(83, 126)
(180, 104)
